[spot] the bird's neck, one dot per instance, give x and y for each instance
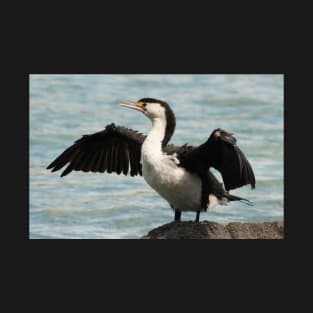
(152, 146)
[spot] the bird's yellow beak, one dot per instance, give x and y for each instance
(133, 105)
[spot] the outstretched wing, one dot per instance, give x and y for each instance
(115, 149)
(221, 152)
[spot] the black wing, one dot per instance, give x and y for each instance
(221, 152)
(115, 149)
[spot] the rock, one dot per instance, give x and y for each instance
(212, 230)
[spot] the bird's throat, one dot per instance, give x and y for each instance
(152, 146)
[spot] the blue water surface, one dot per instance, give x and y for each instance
(96, 205)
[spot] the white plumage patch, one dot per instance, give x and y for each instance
(213, 202)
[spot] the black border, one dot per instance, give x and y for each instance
(255, 39)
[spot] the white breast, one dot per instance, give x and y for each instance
(180, 188)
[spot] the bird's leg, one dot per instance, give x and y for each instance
(205, 193)
(177, 215)
(197, 217)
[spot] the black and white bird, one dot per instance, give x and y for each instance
(181, 175)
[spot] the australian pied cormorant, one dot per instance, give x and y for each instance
(181, 175)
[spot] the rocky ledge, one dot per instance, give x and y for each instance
(212, 230)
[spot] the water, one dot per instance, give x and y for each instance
(89, 205)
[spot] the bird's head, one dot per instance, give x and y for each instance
(154, 109)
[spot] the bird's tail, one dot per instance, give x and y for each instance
(235, 198)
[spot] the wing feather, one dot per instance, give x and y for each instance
(93, 162)
(221, 152)
(101, 161)
(79, 161)
(114, 149)
(126, 161)
(133, 165)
